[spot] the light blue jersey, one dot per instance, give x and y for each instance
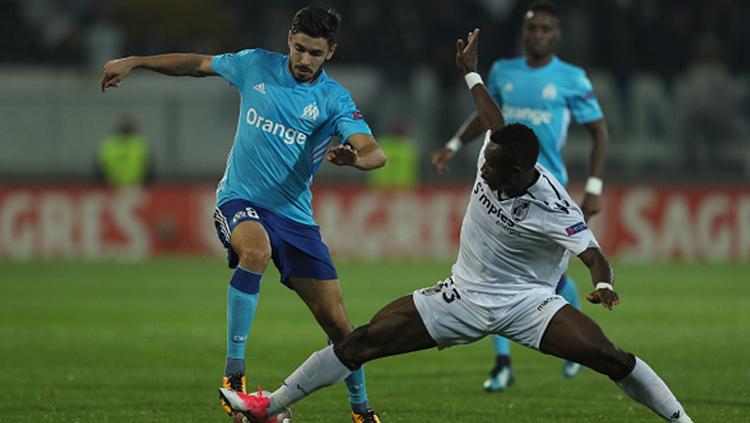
(544, 99)
(283, 131)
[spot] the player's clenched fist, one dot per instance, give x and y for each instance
(115, 71)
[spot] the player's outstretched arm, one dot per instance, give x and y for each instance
(592, 199)
(175, 64)
(601, 277)
(468, 132)
(488, 111)
(360, 151)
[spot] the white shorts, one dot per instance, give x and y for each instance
(456, 316)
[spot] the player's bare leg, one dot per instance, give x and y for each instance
(395, 329)
(325, 300)
(572, 335)
(250, 242)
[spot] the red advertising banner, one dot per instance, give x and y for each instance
(648, 223)
(93, 222)
(643, 223)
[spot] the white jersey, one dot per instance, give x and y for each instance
(522, 242)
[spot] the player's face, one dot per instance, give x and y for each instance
(541, 34)
(307, 55)
(498, 171)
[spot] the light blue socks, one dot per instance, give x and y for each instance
(242, 299)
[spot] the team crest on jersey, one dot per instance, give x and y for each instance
(310, 112)
(520, 209)
(508, 87)
(549, 92)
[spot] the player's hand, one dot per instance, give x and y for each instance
(115, 71)
(342, 155)
(466, 52)
(608, 298)
(591, 205)
(440, 159)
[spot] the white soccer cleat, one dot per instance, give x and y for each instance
(253, 406)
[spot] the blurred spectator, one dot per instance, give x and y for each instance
(124, 157)
(104, 38)
(402, 170)
(708, 107)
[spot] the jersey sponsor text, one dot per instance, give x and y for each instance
(288, 135)
(535, 116)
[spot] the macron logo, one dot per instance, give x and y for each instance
(261, 88)
(310, 112)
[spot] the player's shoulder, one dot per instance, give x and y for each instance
(504, 64)
(267, 55)
(550, 195)
(333, 91)
(256, 56)
(569, 70)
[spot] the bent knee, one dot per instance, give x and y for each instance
(356, 347)
(612, 361)
(255, 259)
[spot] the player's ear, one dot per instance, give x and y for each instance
(331, 50)
(289, 39)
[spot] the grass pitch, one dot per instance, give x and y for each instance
(144, 342)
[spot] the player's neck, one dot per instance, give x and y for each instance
(538, 62)
(523, 185)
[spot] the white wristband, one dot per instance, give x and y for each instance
(473, 78)
(454, 144)
(604, 285)
(594, 185)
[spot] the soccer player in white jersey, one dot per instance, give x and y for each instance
(542, 92)
(290, 110)
(519, 230)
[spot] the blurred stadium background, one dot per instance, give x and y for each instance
(92, 277)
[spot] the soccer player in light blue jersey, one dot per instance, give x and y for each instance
(544, 93)
(290, 111)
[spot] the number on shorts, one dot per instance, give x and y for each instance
(453, 296)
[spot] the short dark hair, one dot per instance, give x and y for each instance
(317, 22)
(544, 6)
(520, 142)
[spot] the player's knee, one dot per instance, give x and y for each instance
(354, 346)
(254, 258)
(613, 361)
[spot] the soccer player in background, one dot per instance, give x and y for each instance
(290, 109)
(516, 238)
(542, 92)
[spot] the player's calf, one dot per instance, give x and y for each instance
(610, 360)
(335, 325)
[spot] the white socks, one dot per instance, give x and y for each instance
(646, 387)
(321, 369)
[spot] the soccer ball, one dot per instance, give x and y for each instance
(283, 417)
